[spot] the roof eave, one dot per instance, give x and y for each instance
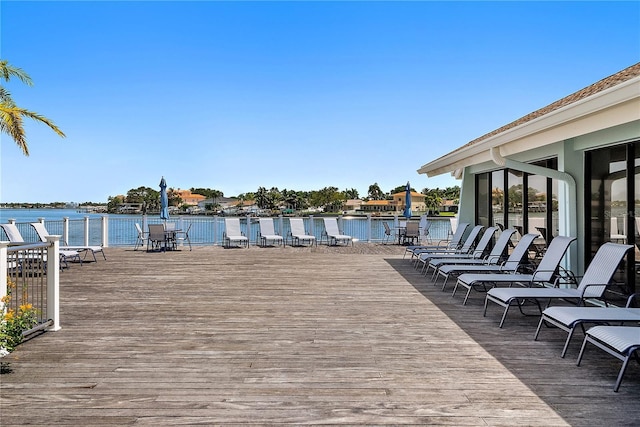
(480, 152)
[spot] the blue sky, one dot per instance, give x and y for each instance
(295, 95)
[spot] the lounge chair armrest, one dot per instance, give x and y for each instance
(630, 300)
(565, 277)
(492, 259)
(590, 285)
(536, 273)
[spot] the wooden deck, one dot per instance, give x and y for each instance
(270, 336)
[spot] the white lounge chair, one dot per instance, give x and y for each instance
(545, 272)
(512, 264)
(233, 233)
(446, 266)
(268, 233)
(66, 255)
(622, 342)
(454, 243)
(183, 236)
(42, 232)
(423, 256)
(142, 237)
(570, 318)
(333, 233)
(593, 284)
(298, 233)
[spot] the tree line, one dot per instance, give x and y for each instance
(329, 199)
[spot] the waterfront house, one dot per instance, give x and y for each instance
(574, 161)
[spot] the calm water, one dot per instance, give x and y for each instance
(32, 215)
(204, 230)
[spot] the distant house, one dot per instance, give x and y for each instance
(378, 206)
(352, 205)
(130, 208)
(449, 206)
(188, 198)
(396, 205)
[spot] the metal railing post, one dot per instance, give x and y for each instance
(53, 282)
(369, 228)
(215, 230)
(3, 274)
(86, 231)
(312, 227)
(180, 226)
(104, 227)
(65, 230)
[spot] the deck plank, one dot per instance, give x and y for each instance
(299, 336)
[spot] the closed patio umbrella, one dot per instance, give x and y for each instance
(407, 201)
(164, 200)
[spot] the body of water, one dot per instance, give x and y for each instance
(32, 215)
(203, 230)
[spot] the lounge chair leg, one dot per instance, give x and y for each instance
(466, 297)
(504, 315)
(444, 284)
(584, 345)
(621, 373)
(566, 343)
(535, 337)
(455, 288)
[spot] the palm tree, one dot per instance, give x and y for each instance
(11, 115)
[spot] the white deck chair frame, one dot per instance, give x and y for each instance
(42, 232)
(267, 233)
(593, 284)
(298, 234)
(569, 319)
(333, 234)
(544, 273)
(66, 255)
(622, 342)
(454, 243)
(232, 233)
(452, 266)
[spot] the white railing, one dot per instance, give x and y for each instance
(33, 270)
(119, 230)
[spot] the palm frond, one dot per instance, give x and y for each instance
(11, 124)
(7, 71)
(40, 118)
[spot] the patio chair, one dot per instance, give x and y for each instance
(411, 233)
(233, 233)
(387, 232)
(570, 318)
(593, 284)
(42, 232)
(267, 233)
(545, 272)
(183, 236)
(622, 342)
(454, 243)
(142, 237)
(333, 233)
(157, 238)
(66, 255)
(447, 266)
(425, 225)
(477, 252)
(299, 234)
(422, 256)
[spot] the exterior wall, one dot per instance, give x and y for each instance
(570, 154)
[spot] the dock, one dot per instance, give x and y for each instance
(296, 336)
